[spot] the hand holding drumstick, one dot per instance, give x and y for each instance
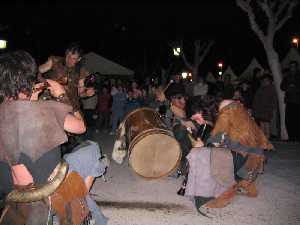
(160, 93)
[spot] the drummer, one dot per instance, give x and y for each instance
(175, 94)
(239, 158)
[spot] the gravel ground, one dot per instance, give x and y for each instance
(127, 199)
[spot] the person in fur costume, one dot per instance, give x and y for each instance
(236, 129)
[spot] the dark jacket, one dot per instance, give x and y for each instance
(291, 86)
(264, 103)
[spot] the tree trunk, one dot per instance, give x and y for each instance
(195, 70)
(275, 67)
(163, 77)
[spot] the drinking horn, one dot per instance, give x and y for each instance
(39, 192)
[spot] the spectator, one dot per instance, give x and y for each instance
(200, 88)
(247, 95)
(89, 101)
(118, 104)
(255, 83)
(264, 104)
(291, 86)
(131, 103)
(228, 89)
(103, 108)
(237, 96)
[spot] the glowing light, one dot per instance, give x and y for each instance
(220, 65)
(184, 75)
(3, 44)
(176, 51)
(295, 40)
(190, 74)
(220, 73)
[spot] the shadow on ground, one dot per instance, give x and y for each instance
(150, 206)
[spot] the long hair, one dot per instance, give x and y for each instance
(17, 74)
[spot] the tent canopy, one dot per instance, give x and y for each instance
(292, 55)
(230, 72)
(210, 78)
(248, 72)
(96, 63)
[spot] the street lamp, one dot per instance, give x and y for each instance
(220, 65)
(176, 51)
(184, 75)
(3, 44)
(295, 41)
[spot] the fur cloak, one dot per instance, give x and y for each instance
(235, 121)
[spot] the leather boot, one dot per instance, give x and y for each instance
(248, 188)
(223, 200)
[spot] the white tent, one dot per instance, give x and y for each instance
(248, 72)
(210, 78)
(292, 55)
(96, 63)
(230, 71)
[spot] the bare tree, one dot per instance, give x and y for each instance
(276, 13)
(201, 49)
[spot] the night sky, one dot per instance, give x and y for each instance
(137, 34)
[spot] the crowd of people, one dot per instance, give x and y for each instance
(258, 95)
(49, 112)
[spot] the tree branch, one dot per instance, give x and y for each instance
(198, 47)
(205, 51)
(245, 6)
(267, 9)
(265, 5)
(186, 62)
(287, 15)
(281, 7)
(273, 4)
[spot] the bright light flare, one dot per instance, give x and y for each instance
(295, 40)
(3, 44)
(184, 75)
(176, 51)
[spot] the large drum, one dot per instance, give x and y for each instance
(152, 149)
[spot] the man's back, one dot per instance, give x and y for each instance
(31, 133)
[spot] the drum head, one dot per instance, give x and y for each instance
(154, 154)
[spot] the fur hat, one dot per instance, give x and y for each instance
(174, 89)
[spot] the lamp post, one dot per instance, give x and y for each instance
(295, 41)
(220, 65)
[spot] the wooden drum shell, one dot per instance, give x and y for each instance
(153, 150)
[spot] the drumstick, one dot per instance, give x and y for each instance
(171, 81)
(162, 93)
(203, 130)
